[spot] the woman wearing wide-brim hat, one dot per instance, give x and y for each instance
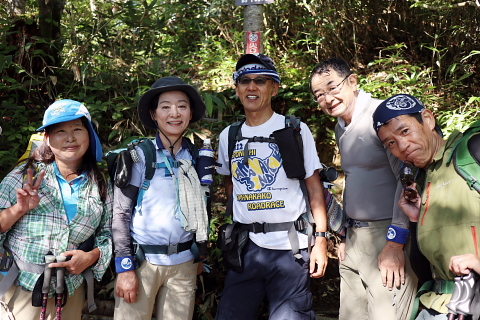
(171, 220)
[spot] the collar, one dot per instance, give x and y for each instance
(82, 177)
(362, 101)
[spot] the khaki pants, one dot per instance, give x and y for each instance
(19, 302)
(171, 287)
(362, 294)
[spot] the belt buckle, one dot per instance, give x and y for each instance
(258, 227)
(172, 248)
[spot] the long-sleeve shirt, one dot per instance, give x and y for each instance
(46, 228)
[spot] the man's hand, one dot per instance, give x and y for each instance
(391, 263)
(318, 258)
(127, 286)
(463, 264)
(411, 207)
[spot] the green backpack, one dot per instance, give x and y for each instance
(466, 156)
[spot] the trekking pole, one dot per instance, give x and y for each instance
(453, 304)
(463, 307)
(60, 287)
(47, 276)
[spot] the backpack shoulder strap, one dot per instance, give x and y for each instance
(193, 149)
(150, 153)
(234, 133)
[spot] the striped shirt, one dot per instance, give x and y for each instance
(46, 228)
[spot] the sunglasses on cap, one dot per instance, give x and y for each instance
(244, 80)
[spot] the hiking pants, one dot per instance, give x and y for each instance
(274, 274)
(172, 288)
(362, 294)
(19, 302)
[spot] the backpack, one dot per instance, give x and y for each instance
(36, 140)
(466, 156)
(120, 163)
(294, 162)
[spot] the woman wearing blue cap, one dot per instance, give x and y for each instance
(55, 207)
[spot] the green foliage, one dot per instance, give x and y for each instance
(111, 56)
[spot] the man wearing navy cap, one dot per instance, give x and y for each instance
(276, 261)
(445, 206)
(376, 280)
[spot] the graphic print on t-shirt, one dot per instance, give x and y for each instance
(259, 173)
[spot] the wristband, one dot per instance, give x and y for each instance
(123, 264)
(397, 234)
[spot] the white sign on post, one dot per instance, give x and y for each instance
(249, 2)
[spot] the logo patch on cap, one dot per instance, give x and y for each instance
(58, 110)
(401, 102)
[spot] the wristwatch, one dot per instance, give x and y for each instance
(323, 234)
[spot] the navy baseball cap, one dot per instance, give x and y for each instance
(257, 63)
(395, 106)
(67, 110)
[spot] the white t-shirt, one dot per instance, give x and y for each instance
(262, 192)
(157, 224)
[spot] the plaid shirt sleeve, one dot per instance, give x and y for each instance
(103, 237)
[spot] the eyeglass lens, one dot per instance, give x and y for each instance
(320, 97)
(258, 81)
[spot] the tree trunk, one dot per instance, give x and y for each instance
(50, 17)
(16, 7)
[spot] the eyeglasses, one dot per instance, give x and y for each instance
(260, 81)
(407, 178)
(320, 97)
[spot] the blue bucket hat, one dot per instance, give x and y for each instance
(67, 110)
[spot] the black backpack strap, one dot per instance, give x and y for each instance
(193, 149)
(150, 153)
(234, 132)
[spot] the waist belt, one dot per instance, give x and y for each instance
(301, 224)
(161, 249)
(256, 227)
(19, 265)
(356, 223)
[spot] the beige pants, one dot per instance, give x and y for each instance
(362, 294)
(19, 302)
(171, 287)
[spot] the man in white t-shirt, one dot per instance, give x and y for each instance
(276, 263)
